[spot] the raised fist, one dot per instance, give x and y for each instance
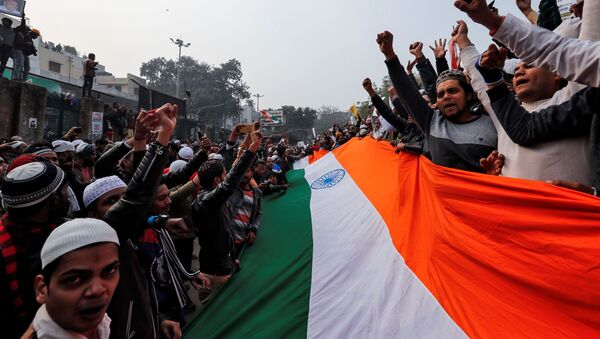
(385, 41)
(416, 49)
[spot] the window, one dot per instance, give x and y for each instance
(118, 87)
(136, 91)
(54, 67)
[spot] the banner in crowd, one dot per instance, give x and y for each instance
(97, 123)
(12, 7)
(367, 243)
(271, 118)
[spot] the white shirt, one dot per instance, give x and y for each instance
(46, 328)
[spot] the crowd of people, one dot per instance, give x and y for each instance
(97, 237)
(517, 109)
(109, 228)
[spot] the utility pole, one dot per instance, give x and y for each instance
(70, 58)
(179, 43)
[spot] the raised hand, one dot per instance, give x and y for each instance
(493, 58)
(524, 6)
(410, 65)
(167, 115)
(479, 12)
(368, 86)
(416, 49)
(385, 41)
(392, 92)
(439, 51)
(460, 34)
(256, 141)
(145, 122)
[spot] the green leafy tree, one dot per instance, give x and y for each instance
(216, 91)
(299, 118)
(328, 116)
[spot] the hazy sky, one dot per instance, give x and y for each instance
(301, 53)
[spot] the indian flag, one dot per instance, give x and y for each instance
(304, 162)
(367, 243)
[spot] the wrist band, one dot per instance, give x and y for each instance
(491, 76)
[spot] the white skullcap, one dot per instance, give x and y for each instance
(177, 166)
(74, 235)
(61, 146)
(77, 142)
(41, 151)
(81, 147)
(16, 144)
(215, 156)
(186, 153)
(96, 189)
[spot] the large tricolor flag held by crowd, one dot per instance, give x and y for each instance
(367, 243)
(307, 160)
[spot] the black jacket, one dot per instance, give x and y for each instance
(107, 164)
(133, 307)
(412, 136)
(212, 218)
(174, 179)
(429, 78)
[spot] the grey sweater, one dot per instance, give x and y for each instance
(451, 144)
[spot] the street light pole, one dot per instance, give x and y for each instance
(179, 43)
(258, 96)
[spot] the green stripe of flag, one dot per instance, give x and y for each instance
(269, 297)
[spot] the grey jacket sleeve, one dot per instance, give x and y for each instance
(409, 95)
(571, 118)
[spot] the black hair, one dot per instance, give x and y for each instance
(208, 171)
(49, 270)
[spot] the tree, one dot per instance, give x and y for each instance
(328, 116)
(216, 91)
(298, 118)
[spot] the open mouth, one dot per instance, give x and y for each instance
(93, 311)
(520, 82)
(449, 106)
